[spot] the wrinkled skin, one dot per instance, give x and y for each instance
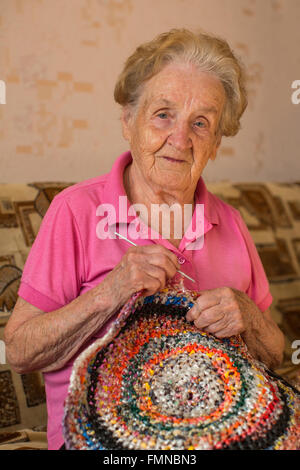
(172, 134)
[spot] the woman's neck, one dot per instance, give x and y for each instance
(141, 192)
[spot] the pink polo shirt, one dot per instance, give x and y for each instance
(68, 258)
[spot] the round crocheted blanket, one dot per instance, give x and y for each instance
(156, 382)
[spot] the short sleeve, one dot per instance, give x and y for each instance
(54, 269)
(259, 288)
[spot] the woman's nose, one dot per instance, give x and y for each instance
(180, 136)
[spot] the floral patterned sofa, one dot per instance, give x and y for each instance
(272, 214)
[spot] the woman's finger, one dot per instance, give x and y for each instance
(160, 250)
(217, 326)
(207, 317)
(165, 263)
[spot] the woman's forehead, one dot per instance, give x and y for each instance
(184, 85)
(161, 101)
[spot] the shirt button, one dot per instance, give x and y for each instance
(181, 260)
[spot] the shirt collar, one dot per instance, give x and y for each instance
(114, 188)
(203, 196)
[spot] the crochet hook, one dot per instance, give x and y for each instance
(134, 244)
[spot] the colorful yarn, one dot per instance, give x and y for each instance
(156, 382)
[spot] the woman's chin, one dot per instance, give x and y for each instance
(171, 181)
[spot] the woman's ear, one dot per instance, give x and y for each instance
(126, 118)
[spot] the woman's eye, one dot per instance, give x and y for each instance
(162, 115)
(200, 124)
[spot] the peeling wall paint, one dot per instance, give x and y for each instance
(60, 60)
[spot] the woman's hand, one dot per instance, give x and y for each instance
(144, 268)
(224, 312)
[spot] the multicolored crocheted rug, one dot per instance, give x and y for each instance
(156, 382)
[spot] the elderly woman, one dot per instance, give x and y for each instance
(180, 93)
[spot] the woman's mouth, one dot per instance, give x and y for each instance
(173, 160)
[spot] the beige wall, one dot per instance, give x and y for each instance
(59, 60)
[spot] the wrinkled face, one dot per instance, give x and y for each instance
(173, 131)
